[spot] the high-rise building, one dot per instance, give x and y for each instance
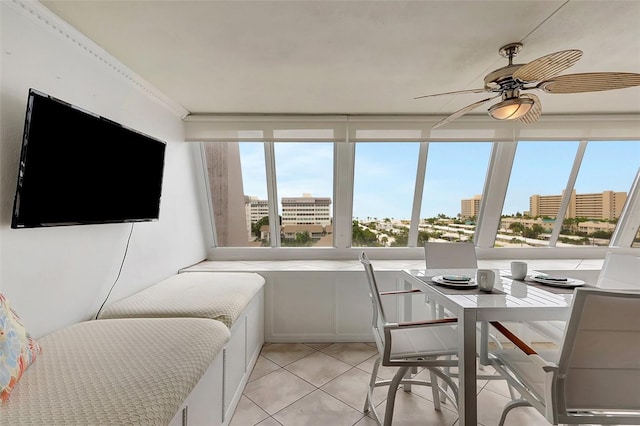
(256, 208)
(603, 205)
(470, 207)
(306, 210)
(225, 177)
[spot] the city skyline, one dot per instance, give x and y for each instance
(385, 173)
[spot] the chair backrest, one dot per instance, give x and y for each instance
(379, 318)
(620, 271)
(599, 364)
(450, 255)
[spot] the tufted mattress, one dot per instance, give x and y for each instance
(124, 372)
(217, 295)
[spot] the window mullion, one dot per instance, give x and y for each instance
(494, 192)
(344, 157)
(417, 198)
(272, 193)
(571, 182)
(629, 219)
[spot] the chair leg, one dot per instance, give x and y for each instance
(372, 385)
(510, 406)
(435, 390)
(410, 373)
(444, 384)
(391, 395)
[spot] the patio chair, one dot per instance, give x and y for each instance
(461, 258)
(406, 345)
(619, 271)
(594, 377)
(450, 255)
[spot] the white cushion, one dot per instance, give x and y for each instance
(217, 295)
(125, 371)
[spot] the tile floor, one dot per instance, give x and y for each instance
(325, 384)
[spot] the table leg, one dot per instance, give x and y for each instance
(467, 393)
(484, 343)
(408, 315)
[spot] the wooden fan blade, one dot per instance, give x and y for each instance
(590, 82)
(459, 92)
(462, 112)
(547, 66)
(535, 112)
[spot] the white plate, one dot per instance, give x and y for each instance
(469, 284)
(570, 282)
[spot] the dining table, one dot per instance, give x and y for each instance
(510, 300)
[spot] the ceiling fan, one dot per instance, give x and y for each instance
(511, 80)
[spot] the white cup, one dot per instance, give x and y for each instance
(518, 270)
(485, 278)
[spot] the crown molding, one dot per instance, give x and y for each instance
(37, 12)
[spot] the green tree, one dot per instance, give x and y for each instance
(255, 227)
(602, 234)
(532, 232)
(423, 237)
(363, 237)
(517, 227)
(303, 239)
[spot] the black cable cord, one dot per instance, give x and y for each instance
(126, 249)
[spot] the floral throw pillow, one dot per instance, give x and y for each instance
(17, 349)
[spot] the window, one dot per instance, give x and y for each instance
(304, 175)
(601, 190)
(284, 170)
(237, 184)
(384, 185)
(453, 190)
(538, 180)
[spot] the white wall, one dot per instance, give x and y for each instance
(57, 276)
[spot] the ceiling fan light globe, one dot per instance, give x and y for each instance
(511, 109)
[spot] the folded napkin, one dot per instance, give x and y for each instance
(551, 278)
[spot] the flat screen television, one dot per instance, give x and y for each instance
(79, 168)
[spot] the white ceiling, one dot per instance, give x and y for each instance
(356, 57)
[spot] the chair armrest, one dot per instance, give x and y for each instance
(528, 350)
(427, 323)
(387, 293)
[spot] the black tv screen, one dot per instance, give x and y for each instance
(79, 168)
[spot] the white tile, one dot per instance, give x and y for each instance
(411, 409)
(351, 388)
(285, 353)
(269, 421)
(351, 353)
(281, 398)
(318, 409)
(262, 368)
(277, 390)
(247, 413)
(491, 404)
(318, 368)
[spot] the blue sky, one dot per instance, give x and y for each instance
(385, 173)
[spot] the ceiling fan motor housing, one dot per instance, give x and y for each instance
(502, 78)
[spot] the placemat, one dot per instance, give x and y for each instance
(551, 288)
(450, 290)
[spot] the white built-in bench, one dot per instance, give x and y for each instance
(236, 299)
(125, 372)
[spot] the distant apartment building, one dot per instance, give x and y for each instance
(470, 207)
(546, 224)
(306, 210)
(591, 226)
(256, 209)
(604, 205)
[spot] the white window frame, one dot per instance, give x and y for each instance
(348, 130)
